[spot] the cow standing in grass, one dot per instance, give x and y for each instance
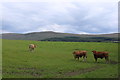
(101, 55)
(32, 47)
(79, 54)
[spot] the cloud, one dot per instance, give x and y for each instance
(54, 27)
(69, 17)
(2, 31)
(59, 1)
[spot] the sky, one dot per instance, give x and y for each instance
(73, 16)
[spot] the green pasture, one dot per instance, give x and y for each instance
(55, 60)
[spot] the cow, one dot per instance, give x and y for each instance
(78, 54)
(31, 47)
(101, 55)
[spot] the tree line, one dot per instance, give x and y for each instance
(82, 39)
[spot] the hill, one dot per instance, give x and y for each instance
(52, 36)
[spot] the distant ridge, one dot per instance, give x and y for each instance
(49, 34)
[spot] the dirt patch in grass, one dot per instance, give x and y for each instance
(80, 71)
(35, 74)
(26, 71)
(32, 69)
(27, 68)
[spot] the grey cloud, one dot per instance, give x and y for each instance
(71, 17)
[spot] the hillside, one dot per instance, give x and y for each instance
(51, 35)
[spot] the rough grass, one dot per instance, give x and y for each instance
(55, 60)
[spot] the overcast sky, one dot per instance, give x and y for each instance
(79, 17)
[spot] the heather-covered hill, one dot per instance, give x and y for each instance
(53, 35)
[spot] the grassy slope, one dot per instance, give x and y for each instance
(55, 59)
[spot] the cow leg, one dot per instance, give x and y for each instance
(95, 59)
(107, 60)
(75, 57)
(84, 58)
(78, 58)
(30, 49)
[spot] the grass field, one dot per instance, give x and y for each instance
(55, 60)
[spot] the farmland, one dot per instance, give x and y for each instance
(55, 60)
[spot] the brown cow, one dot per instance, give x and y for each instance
(32, 46)
(78, 54)
(100, 55)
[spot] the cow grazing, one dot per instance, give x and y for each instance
(79, 54)
(100, 55)
(32, 46)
